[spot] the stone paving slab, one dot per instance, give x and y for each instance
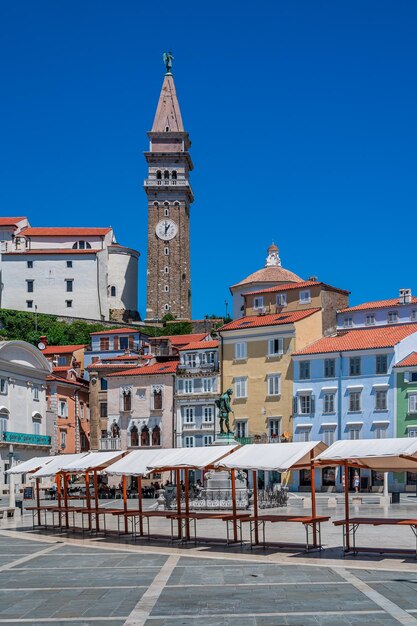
(50, 579)
(68, 603)
(376, 619)
(253, 599)
(403, 593)
(259, 573)
(381, 575)
(100, 559)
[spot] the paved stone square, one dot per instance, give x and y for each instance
(46, 579)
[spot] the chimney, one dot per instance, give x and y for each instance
(405, 296)
(44, 339)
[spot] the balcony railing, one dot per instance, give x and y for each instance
(198, 369)
(111, 443)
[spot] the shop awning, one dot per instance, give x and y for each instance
(135, 463)
(396, 454)
(278, 457)
(191, 458)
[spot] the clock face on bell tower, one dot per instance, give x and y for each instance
(169, 198)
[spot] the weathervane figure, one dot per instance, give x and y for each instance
(168, 58)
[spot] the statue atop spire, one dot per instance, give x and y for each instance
(168, 58)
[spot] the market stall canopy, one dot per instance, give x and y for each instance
(378, 454)
(56, 465)
(135, 463)
(31, 465)
(278, 457)
(93, 461)
(191, 458)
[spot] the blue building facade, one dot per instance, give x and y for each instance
(401, 310)
(344, 388)
(114, 343)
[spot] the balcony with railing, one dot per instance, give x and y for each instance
(200, 368)
(110, 443)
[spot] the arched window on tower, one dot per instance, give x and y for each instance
(144, 436)
(158, 175)
(166, 175)
(174, 177)
(156, 436)
(134, 437)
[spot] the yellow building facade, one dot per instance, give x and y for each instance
(256, 364)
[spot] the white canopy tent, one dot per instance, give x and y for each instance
(279, 457)
(92, 461)
(31, 465)
(378, 454)
(57, 464)
(134, 464)
(191, 458)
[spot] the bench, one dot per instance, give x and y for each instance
(351, 525)
(6, 511)
(309, 522)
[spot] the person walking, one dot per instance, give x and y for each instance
(356, 482)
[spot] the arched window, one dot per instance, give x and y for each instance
(144, 436)
(166, 288)
(4, 420)
(115, 431)
(158, 175)
(113, 291)
(156, 436)
(134, 437)
(166, 175)
(166, 212)
(166, 307)
(81, 245)
(127, 400)
(36, 423)
(174, 175)
(166, 251)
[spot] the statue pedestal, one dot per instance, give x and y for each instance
(226, 439)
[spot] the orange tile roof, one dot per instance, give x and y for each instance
(253, 321)
(63, 349)
(124, 357)
(201, 345)
(52, 251)
(302, 285)
(378, 304)
(181, 340)
(361, 339)
(409, 361)
(66, 381)
(169, 367)
(65, 232)
(10, 221)
(116, 331)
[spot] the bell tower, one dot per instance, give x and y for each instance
(169, 198)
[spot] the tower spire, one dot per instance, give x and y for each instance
(168, 115)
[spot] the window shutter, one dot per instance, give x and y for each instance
(313, 403)
(180, 384)
(131, 343)
(406, 377)
(295, 405)
(271, 346)
(281, 345)
(115, 343)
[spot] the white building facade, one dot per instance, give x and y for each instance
(75, 272)
(25, 431)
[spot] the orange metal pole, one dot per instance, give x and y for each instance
(64, 476)
(234, 507)
(255, 503)
(96, 500)
(124, 482)
(38, 501)
(140, 504)
(313, 497)
(88, 497)
(187, 503)
(177, 474)
(346, 474)
(58, 479)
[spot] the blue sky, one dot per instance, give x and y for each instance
(302, 116)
